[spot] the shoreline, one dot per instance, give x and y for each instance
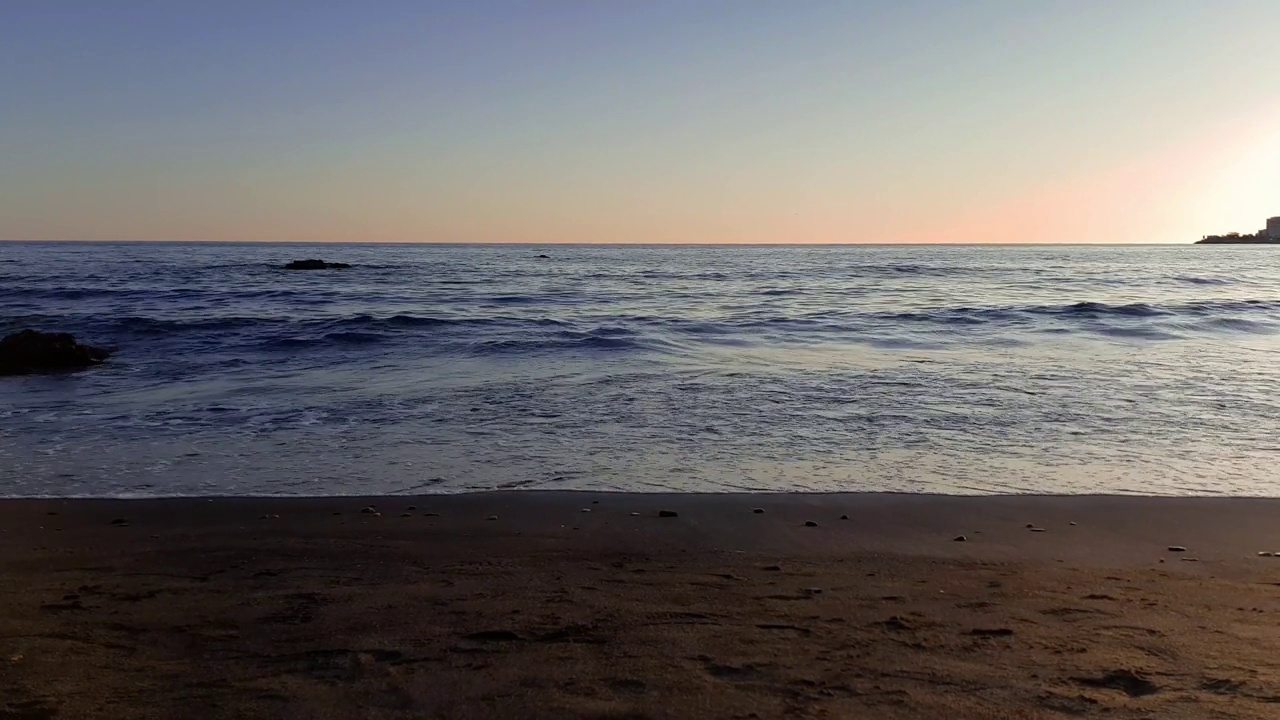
(307, 607)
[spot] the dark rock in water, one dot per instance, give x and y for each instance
(544, 257)
(668, 513)
(313, 264)
(32, 351)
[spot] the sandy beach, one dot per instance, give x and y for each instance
(584, 605)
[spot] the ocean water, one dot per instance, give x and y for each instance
(1149, 370)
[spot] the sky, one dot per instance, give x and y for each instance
(646, 121)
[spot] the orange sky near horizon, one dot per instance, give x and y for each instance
(724, 122)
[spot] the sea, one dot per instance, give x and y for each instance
(1151, 370)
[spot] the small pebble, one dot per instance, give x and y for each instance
(757, 511)
(264, 517)
(368, 510)
(406, 514)
(412, 507)
(772, 568)
(585, 510)
(844, 517)
(337, 513)
(1071, 523)
(1177, 548)
(377, 514)
(668, 513)
(813, 591)
(1038, 529)
(1264, 553)
(120, 522)
(959, 538)
(595, 502)
(493, 517)
(810, 523)
(1029, 526)
(1190, 559)
(430, 514)
(634, 514)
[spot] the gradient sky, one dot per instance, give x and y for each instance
(639, 121)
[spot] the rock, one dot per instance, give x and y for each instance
(757, 511)
(668, 513)
(959, 538)
(430, 514)
(1037, 529)
(313, 264)
(844, 517)
(368, 510)
(1177, 548)
(1072, 523)
(595, 502)
(412, 508)
(585, 510)
(32, 351)
(493, 517)
(810, 523)
(991, 632)
(1264, 553)
(634, 514)
(772, 568)
(1030, 525)
(1190, 559)
(406, 514)
(544, 257)
(813, 591)
(1126, 681)
(120, 522)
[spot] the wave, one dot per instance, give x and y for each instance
(1194, 280)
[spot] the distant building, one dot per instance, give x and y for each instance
(1273, 227)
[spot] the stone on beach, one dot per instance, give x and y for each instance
(1177, 548)
(959, 538)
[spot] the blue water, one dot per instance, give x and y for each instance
(440, 369)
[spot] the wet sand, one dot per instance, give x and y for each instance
(309, 608)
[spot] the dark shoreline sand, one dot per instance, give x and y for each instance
(216, 608)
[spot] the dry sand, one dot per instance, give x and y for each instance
(220, 609)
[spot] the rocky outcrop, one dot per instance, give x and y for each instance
(32, 351)
(315, 265)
